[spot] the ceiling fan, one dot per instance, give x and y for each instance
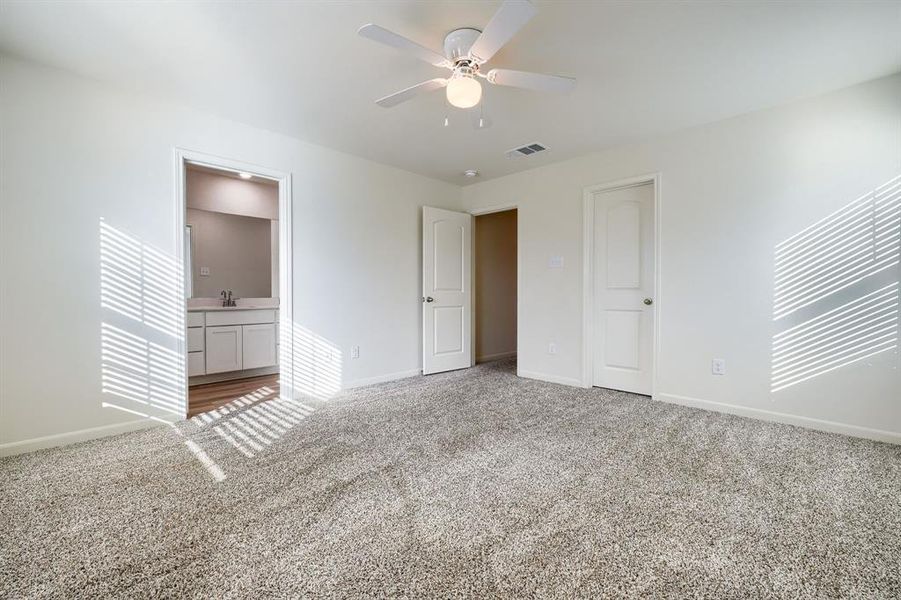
(466, 50)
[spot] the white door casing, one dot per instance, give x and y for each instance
(285, 351)
(446, 290)
(624, 282)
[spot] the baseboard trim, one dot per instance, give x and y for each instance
(878, 435)
(381, 379)
(493, 357)
(93, 433)
(73, 437)
(570, 381)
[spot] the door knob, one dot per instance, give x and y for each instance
(429, 299)
(648, 301)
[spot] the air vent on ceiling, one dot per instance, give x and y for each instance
(527, 150)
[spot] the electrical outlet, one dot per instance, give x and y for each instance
(718, 366)
(552, 348)
(555, 262)
(355, 352)
(204, 271)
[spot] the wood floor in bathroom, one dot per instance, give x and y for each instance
(210, 396)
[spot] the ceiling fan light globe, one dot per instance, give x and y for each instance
(464, 92)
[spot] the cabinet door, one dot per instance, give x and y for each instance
(259, 346)
(223, 349)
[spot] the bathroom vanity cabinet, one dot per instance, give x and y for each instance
(229, 339)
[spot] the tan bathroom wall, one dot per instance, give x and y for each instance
(222, 193)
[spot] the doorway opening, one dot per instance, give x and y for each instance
(495, 285)
(621, 285)
(235, 219)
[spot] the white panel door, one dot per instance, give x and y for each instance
(224, 350)
(258, 342)
(446, 290)
(624, 288)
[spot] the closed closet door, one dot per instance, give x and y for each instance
(624, 288)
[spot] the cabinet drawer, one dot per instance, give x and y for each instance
(195, 339)
(195, 319)
(196, 364)
(239, 317)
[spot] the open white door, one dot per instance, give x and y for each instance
(624, 288)
(446, 290)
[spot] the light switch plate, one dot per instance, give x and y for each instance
(555, 262)
(718, 366)
(552, 348)
(355, 352)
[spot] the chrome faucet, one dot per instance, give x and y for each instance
(227, 299)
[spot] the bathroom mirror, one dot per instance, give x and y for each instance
(229, 252)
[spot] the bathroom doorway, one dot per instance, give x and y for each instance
(235, 219)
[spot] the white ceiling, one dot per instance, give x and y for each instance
(644, 68)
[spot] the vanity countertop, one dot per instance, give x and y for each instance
(226, 308)
(215, 304)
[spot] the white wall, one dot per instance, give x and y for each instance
(730, 192)
(74, 151)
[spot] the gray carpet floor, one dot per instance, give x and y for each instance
(473, 483)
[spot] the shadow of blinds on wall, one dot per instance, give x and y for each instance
(836, 297)
(142, 298)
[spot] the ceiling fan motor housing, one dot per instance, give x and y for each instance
(458, 42)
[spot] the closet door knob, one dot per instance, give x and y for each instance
(429, 299)
(648, 301)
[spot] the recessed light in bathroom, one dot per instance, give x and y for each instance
(470, 173)
(245, 175)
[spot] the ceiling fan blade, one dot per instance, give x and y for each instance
(389, 38)
(404, 95)
(531, 81)
(508, 19)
